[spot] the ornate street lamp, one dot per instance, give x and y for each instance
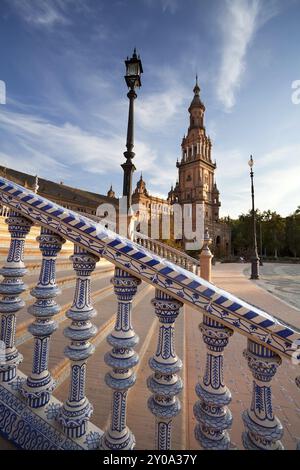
(134, 70)
(255, 258)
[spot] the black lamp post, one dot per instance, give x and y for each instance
(134, 70)
(261, 244)
(255, 258)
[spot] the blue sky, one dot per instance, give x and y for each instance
(65, 116)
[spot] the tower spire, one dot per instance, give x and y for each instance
(196, 87)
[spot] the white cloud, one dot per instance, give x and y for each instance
(40, 12)
(157, 110)
(49, 146)
(171, 5)
(239, 24)
(47, 13)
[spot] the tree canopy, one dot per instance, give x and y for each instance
(276, 235)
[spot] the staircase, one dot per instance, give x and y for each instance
(110, 376)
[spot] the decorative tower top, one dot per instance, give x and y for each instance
(110, 192)
(196, 88)
(141, 187)
(196, 109)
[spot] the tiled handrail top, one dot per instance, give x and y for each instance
(171, 249)
(176, 281)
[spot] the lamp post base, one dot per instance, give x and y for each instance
(254, 269)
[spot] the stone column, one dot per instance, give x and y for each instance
(165, 383)
(39, 385)
(206, 258)
(77, 410)
(211, 410)
(263, 429)
(11, 287)
(122, 358)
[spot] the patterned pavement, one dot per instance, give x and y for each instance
(282, 280)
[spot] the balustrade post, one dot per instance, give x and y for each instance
(206, 258)
(122, 358)
(39, 385)
(77, 410)
(263, 430)
(211, 410)
(165, 384)
(11, 287)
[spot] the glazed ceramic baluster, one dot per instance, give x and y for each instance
(165, 383)
(77, 410)
(122, 358)
(39, 385)
(11, 287)
(263, 429)
(211, 410)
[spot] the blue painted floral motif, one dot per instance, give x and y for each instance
(165, 383)
(263, 430)
(122, 358)
(211, 410)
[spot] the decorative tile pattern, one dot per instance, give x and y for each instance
(211, 411)
(122, 359)
(29, 429)
(77, 410)
(176, 281)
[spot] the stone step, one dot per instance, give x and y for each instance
(104, 303)
(64, 277)
(31, 245)
(100, 284)
(140, 419)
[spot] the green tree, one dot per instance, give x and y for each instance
(273, 233)
(293, 233)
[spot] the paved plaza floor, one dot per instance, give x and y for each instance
(277, 291)
(282, 280)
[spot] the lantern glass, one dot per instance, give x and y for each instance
(251, 162)
(133, 69)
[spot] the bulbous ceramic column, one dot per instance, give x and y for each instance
(77, 410)
(211, 410)
(39, 385)
(263, 429)
(165, 384)
(122, 358)
(11, 287)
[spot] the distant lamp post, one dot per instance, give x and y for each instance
(134, 70)
(261, 244)
(255, 258)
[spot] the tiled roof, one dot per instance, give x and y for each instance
(52, 190)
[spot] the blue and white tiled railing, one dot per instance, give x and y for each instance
(29, 414)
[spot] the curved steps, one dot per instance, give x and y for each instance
(65, 280)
